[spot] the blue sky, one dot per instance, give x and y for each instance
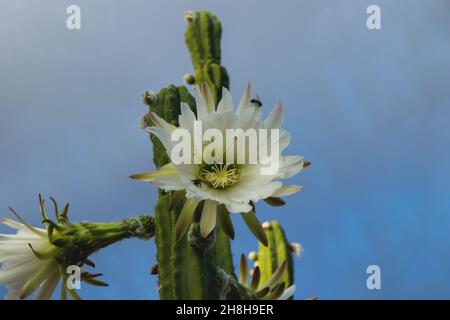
(369, 109)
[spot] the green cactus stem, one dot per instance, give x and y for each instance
(203, 35)
(276, 253)
(70, 244)
(186, 269)
(165, 104)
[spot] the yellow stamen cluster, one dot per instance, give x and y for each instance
(220, 176)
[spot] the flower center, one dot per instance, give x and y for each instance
(220, 176)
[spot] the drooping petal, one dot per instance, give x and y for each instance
(225, 223)
(255, 227)
(243, 270)
(35, 281)
(287, 190)
(48, 287)
(185, 217)
(15, 276)
(208, 219)
(166, 170)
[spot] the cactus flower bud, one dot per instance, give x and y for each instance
(189, 15)
(189, 79)
(253, 256)
(148, 97)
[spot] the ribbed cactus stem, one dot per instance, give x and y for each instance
(186, 268)
(184, 271)
(165, 104)
(203, 35)
(279, 250)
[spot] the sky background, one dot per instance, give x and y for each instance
(369, 109)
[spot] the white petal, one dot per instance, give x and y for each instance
(187, 117)
(163, 136)
(235, 207)
(19, 271)
(201, 103)
(161, 123)
(263, 191)
(285, 140)
(291, 166)
(250, 117)
(18, 237)
(48, 287)
(21, 227)
(208, 219)
(245, 100)
(170, 183)
(275, 118)
(226, 103)
(187, 171)
(286, 190)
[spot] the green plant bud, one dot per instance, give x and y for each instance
(189, 79)
(148, 98)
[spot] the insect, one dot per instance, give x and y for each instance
(197, 182)
(256, 101)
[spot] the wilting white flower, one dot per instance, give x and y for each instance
(223, 186)
(35, 259)
(22, 271)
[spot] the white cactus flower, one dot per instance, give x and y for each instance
(35, 260)
(21, 271)
(236, 187)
